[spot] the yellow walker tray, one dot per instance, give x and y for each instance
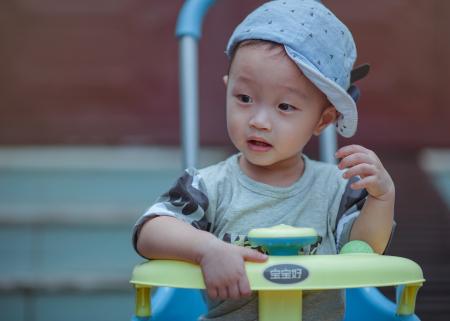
(282, 278)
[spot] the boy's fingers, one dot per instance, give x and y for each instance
(244, 286)
(350, 149)
(354, 159)
(233, 291)
(223, 292)
(363, 183)
(212, 292)
(361, 170)
(253, 255)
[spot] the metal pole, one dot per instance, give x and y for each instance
(189, 100)
(328, 145)
(188, 30)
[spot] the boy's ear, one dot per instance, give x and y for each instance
(225, 80)
(329, 115)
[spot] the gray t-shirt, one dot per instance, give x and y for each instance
(221, 199)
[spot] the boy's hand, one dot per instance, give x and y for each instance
(365, 163)
(223, 269)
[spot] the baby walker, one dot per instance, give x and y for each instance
(281, 280)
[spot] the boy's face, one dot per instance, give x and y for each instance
(272, 108)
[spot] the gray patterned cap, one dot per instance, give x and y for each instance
(318, 42)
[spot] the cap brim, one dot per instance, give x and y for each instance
(348, 120)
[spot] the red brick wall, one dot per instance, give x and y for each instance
(406, 98)
(106, 72)
(88, 71)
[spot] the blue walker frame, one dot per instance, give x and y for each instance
(361, 303)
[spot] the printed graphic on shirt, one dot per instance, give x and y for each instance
(352, 202)
(186, 198)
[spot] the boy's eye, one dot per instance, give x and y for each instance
(286, 107)
(245, 99)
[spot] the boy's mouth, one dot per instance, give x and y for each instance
(258, 145)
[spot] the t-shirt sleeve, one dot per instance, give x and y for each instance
(350, 207)
(187, 200)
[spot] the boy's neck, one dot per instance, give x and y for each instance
(281, 174)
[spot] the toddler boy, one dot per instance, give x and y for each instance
(290, 67)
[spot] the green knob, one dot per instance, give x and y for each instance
(356, 246)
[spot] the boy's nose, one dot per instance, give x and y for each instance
(260, 120)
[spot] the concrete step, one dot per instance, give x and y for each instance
(70, 272)
(66, 216)
(65, 210)
(59, 257)
(67, 306)
(86, 185)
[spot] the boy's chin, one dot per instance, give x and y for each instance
(269, 161)
(259, 161)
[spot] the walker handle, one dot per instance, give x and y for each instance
(191, 16)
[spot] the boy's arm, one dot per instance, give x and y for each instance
(374, 224)
(222, 264)
(165, 237)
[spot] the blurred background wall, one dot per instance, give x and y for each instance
(89, 134)
(105, 72)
